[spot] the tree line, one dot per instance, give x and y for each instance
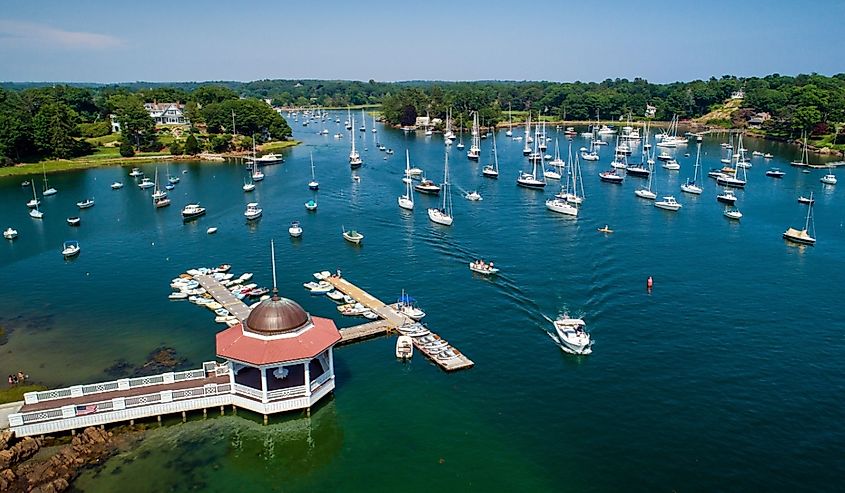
(55, 121)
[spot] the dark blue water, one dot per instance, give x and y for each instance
(727, 376)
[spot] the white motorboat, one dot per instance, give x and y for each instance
(178, 295)
(473, 196)
(270, 158)
(481, 267)
(295, 229)
(211, 230)
(732, 213)
(726, 197)
(775, 173)
(352, 236)
(671, 165)
(253, 211)
(191, 211)
(146, 183)
(404, 347)
(803, 236)
(10, 234)
(668, 203)
(74, 221)
(572, 335)
(85, 203)
(407, 306)
(136, 172)
(248, 187)
(828, 179)
(311, 205)
(117, 185)
(70, 249)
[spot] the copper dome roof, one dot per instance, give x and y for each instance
(276, 316)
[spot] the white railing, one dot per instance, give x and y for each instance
(221, 369)
(125, 383)
(286, 393)
(243, 389)
(320, 380)
(142, 400)
(41, 416)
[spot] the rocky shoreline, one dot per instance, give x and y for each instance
(23, 469)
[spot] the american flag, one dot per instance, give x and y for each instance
(83, 410)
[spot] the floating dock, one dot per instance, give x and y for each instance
(391, 319)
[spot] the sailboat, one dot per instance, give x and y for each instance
(354, 158)
(374, 124)
(829, 178)
(407, 201)
(48, 190)
(460, 132)
(172, 179)
(691, 185)
(530, 180)
(444, 214)
(574, 182)
(805, 157)
(803, 236)
(34, 202)
(257, 175)
(647, 193)
(158, 193)
(313, 184)
(734, 180)
(526, 149)
(35, 213)
(566, 202)
(590, 154)
(475, 148)
(509, 133)
(363, 121)
(349, 123)
(492, 170)
(557, 162)
(248, 185)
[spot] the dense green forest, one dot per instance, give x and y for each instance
(39, 120)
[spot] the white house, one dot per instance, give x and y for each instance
(167, 113)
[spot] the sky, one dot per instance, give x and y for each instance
(187, 40)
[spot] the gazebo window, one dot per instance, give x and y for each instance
(294, 377)
(249, 376)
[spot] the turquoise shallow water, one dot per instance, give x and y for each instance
(728, 376)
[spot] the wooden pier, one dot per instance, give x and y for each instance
(391, 319)
(223, 296)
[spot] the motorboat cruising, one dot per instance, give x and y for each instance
(610, 176)
(74, 221)
(572, 335)
(726, 197)
(85, 203)
(482, 267)
(668, 203)
(473, 196)
(775, 173)
(70, 249)
(253, 211)
(270, 158)
(352, 236)
(803, 236)
(404, 347)
(407, 306)
(428, 187)
(117, 185)
(10, 234)
(191, 211)
(248, 187)
(295, 229)
(732, 213)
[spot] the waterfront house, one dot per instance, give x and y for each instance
(167, 113)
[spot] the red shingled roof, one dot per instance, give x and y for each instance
(233, 344)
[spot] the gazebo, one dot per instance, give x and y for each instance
(280, 357)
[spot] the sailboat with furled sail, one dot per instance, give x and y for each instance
(407, 201)
(692, 186)
(492, 170)
(475, 147)
(803, 236)
(443, 215)
(530, 180)
(354, 158)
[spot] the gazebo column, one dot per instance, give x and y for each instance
(263, 384)
(308, 378)
(331, 362)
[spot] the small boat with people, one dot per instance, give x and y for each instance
(572, 335)
(70, 248)
(10, 233)
(311, 205)
(473, 196)
(732, 213)
(726, 197)
(605, 229)
(406, 305)
(428, 187)
(482, 267)
(253, 211)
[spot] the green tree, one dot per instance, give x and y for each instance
(54, 128)
(192, 147)
(206, 95)
(175, 148)
(126, 148)
(136, 125)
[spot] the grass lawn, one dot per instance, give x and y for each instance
(15, 393)
(277, 145)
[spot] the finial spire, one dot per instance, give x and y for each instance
(273, 261)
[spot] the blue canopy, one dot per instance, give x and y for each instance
(406, 299)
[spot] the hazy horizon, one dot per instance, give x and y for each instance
(100, 42)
